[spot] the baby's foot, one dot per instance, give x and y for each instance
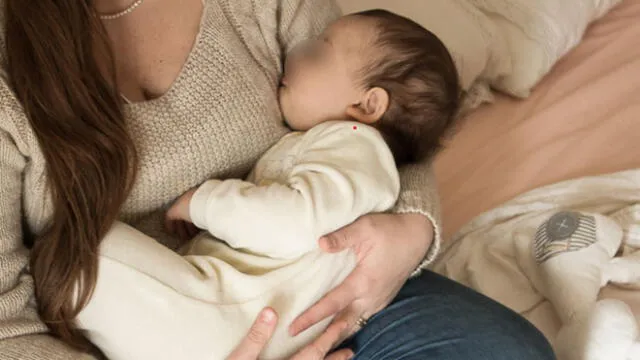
(622, 271)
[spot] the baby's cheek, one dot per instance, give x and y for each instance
(285, 106)
(294, 108)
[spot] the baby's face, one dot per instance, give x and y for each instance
(321, 76)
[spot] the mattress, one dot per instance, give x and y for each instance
(583, 119)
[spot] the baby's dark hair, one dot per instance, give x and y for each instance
(419, 74)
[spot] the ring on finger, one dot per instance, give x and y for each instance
(362, 322)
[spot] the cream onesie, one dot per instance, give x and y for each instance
(307, 185)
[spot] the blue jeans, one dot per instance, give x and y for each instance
(434, 318)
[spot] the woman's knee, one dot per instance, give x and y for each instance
(435, 318)
(503, 334)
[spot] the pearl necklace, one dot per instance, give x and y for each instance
(122, 13)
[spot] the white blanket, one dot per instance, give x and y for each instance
(492, 253)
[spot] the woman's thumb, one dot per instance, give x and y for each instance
(336, 241)
(257, 338)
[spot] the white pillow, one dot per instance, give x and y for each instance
(538, 33)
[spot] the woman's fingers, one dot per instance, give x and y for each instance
(341, 355)
(331, 304)
(170, 226)
(182, 230)
(263, 328)
(257, 338)
(320, 347)
(196, 231)
(334, 243)
(192, 230)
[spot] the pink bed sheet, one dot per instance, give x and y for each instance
(582, 119)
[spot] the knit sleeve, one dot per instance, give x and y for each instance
(280, 25)
(22, 334)
(38, 347)
(419, 195)
(303, 19)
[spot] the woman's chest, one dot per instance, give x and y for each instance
(151, 46)
(218, 129)
(216, 119)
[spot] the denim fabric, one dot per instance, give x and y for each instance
(434, 318)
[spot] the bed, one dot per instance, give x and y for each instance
(581, 121)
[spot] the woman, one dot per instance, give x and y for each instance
(113, 108)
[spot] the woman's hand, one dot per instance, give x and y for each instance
(258, 337)
(389, 247)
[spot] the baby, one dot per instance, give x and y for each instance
(371, 85)
(372, 92)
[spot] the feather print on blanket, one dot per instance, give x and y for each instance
(565, 231)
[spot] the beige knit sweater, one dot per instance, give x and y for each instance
(216, 120)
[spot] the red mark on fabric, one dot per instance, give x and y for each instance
(355, 128)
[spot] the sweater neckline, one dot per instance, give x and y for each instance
(176, 84)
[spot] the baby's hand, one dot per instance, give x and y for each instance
(178, 219)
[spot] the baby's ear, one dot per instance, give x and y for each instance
(371, 108)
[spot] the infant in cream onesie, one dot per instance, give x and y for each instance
(373, 91)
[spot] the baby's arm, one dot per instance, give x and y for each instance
(344, 171)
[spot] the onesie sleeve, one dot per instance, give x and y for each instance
(343, 171)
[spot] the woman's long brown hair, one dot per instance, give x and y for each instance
(61, 68)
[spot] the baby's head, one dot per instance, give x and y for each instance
(380, 69)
